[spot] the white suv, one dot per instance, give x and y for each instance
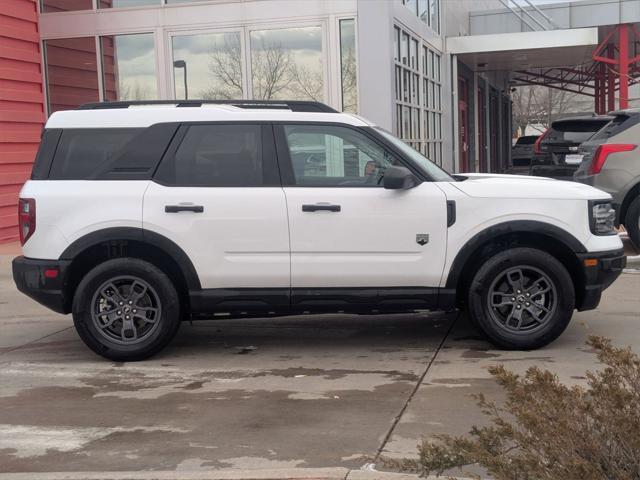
(138, 216)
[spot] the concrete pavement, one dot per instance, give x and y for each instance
(316, 392)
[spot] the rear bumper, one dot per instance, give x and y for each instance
(30, 278)
(598, 277)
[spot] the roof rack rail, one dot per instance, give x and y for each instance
(293, 105)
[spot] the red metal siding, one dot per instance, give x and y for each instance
(21, 105)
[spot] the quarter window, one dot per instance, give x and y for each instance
(81, 153)
(334, 156)
(216, 156)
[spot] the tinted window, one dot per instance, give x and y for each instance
(82, 153)
(527, 140)
(575, 132)
(325, 155)
(216, 156)
(616, 126)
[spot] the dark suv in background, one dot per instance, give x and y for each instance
(556, 150)
(522, 154)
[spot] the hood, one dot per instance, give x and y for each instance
(492, 185)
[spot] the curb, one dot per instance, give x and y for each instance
(338, 473)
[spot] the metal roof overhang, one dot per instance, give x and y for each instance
(514, 52)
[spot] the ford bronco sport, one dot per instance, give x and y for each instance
(138, 216)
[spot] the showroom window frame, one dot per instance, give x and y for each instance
(87, 23)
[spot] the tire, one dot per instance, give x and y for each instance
(113, 327)
(632, 222)
(515, 320)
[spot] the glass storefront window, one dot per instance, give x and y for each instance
(208, 66)
(348, 76)
(71, 72)
(434, 11)
(287, 64)
(129, 67)
(127, 3)
(51, 6)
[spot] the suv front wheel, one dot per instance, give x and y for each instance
(522, 298)
(126, 309)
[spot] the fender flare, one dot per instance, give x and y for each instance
(495, 231)
(161, 242)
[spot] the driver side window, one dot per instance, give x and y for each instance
(332, 156)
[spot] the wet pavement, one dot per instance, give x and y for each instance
(321, 391)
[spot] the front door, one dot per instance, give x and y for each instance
(217, 195)
(349, 233)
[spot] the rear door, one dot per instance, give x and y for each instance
(217, 195)
(348, 233)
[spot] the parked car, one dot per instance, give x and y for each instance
(522, 154)
(612, 163)
(137, 218)
(556, 151)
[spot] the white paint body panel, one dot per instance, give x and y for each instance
(241, 240)
(143, 116)
(69, 209)
(371, 242)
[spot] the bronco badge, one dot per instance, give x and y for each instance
(422, 238)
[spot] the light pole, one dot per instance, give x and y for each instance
(183, 64)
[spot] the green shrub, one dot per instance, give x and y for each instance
(548, 431)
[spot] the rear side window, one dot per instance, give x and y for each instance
(81, 153)
(527, 140)
(574, 132)
(618, 125)
(217, 155)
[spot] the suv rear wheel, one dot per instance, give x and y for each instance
(126, 309)
(632, 222)
(522, 298)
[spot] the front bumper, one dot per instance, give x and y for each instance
(607, 267)
(31, 279)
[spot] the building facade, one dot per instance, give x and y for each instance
(383, 59)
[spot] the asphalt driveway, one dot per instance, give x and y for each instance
(320, 391)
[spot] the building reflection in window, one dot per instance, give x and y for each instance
(348, 67)
(208, 66)
(129, 67)
(71, 72)
(287, 64)
(52, 6)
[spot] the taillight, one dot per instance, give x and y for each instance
(604, 151)
(26, 218)
(536, 146)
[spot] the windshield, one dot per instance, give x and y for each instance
(430, 168)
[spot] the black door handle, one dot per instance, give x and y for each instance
(321, 206)
(183, 208)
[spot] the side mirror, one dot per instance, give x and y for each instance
(399, 178)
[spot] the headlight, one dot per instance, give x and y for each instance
(602, 218)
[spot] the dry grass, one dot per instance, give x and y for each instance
(549, 431)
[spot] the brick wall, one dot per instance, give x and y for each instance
(21, 105)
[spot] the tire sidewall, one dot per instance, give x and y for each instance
(497, 265)
(631, 220)
(161, 283)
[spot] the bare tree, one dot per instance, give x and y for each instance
(271, 67)
(225, 64)
(349, 80)
(275, 73)
(538, 106)
(132, 90)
